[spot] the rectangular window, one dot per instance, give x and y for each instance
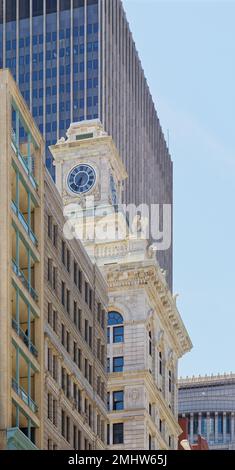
(90, 299)
(49, 270)
(68, 260)
(63, 334)
(55, 321)
(49, 313)
(49, 226)
(68, 429)
(75, 352)
(75, 273)
(55, 412)
(75, 437)
(118, 364)
(63, 293)
(160, 363)
(54, 282)
(63, 423)
(86, 330)
(68, 300)
(99, 312)
(63, 252)
(118, 400)
(90, 336)
(49, 406)
(55, 235)
(68, 341)
(86, 292)
(80, 280)
(170, 382)
(118, 336)
(118, 433)
(75, 313)
(54, 367)
(90, 374)
(86, 368)
(80, 319)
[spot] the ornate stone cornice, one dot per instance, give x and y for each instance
(148, 275)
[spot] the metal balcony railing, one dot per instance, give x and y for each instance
(24, 223)
(24, 281)
(24, 396)
(24, 338)
(23, 160)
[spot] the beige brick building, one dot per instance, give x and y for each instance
(52, 303)
(21, 272)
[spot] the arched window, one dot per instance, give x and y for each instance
(115, 327)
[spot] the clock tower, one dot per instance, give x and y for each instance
(146, 333)
(90, 176)
(87, 163)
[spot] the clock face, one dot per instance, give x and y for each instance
(81, 179)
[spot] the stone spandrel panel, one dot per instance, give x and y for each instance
(135, 397)
(135, 348)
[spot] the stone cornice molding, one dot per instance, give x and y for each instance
(148, 275)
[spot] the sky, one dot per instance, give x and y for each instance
(187, 49)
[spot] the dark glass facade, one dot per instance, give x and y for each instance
(52, 52)
(76, 60)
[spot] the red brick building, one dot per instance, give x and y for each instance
(201, 443)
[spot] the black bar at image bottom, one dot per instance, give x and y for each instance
(106, 459)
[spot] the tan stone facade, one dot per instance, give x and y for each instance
(75, 338)
(149, 336)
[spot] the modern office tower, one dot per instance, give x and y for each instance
(146, 334)
(209, 404)
(76, 60)
(21, 272)
(75, 338)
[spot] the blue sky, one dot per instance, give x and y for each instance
(187, 50)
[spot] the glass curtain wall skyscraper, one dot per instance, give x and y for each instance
(76, 60)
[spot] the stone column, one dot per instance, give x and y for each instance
(200, 424)
(224, 427)
(208, 427)
(191, 427)
(111, 401)
(111, 434)
(216, 427)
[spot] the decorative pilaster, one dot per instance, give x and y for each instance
(224, 427)
(200, 424)
(191, 427)
(208, 427)
(216, 426)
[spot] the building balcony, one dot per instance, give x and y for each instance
(24, 338)
(17, 440)
(24, 224)
(24, 396)
(24, 281)
(24, 161)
